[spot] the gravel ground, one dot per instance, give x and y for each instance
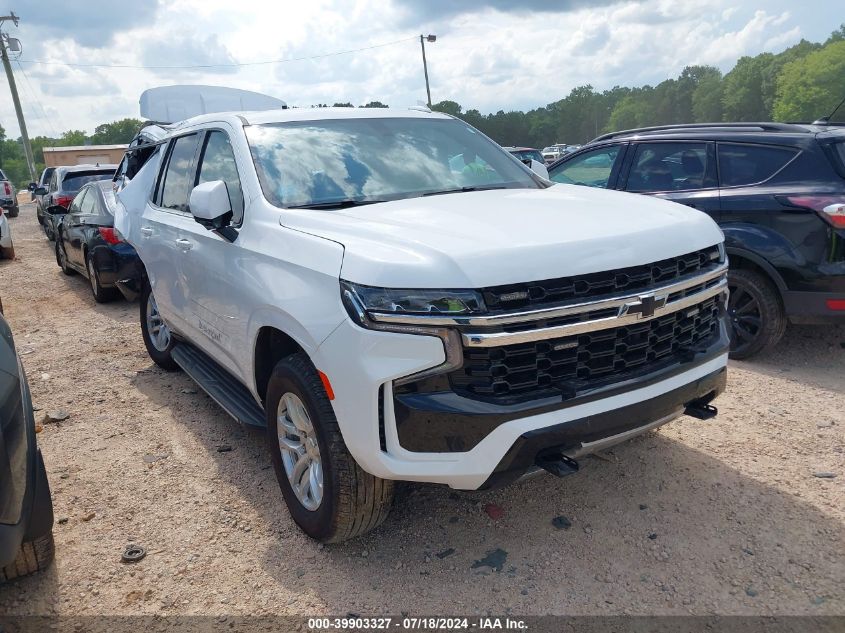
(717, 517)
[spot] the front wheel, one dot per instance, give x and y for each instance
(327, 493)
(158, 339)
(755, 314)
(32, 556)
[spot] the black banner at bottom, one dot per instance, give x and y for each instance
(353, 623)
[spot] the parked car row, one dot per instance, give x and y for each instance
(776, 190)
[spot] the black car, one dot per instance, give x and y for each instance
(777, 191)
(87, 242)
(26, 511)
(65, 183)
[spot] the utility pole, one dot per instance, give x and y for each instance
(423, 40)
(27, 148)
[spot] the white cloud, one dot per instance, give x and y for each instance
(489, 55)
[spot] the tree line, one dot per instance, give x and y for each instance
(802, 83)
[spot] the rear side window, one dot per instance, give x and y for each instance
(218, 163)
(2, 176)
(75, 180)
(749, 164)
(669, 167)
(179, 174)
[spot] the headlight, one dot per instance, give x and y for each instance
(433, 302)
(360, 301)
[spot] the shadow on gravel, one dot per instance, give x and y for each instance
(652, 527)
(813, 354)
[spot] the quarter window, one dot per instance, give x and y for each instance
(178, 176)
(590, 168)
(88, 206)
(750, 164)
(76, 205)
(218, 163)
(669, 167)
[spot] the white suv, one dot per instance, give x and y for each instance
(394, 297)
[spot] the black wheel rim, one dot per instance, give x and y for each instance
(745, 317)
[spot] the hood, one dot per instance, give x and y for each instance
(488, 238)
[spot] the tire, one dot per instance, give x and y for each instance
(353, 501)
(14, 211)
(61, 258)
(158, 351)
(755, 313)
(33, 556)
(101, 295)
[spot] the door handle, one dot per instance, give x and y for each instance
(146, 231)
(184, 244)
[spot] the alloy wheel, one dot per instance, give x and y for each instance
(300, 451)
(92, 277)
(745, 317)
(157, 328)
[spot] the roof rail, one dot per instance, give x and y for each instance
(764, 126)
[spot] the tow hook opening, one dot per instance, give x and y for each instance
(701, 408)
(555, 462)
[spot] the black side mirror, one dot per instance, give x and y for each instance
(56, 209)
(32, 186)
(40, 191)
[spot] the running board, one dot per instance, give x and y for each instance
(218, 383)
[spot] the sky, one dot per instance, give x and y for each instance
(490, 54)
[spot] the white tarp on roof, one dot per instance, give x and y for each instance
(169, 104)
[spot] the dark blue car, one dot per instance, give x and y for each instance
(87, 242)
(777, 191)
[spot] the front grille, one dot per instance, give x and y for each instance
(572, 364)
(632, 279)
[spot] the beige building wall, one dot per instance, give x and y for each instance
(83, 154)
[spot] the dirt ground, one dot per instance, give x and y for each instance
(717, 517)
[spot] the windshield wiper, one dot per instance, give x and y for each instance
(463, 189)
(334, 204)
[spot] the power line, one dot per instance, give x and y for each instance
(35, 97)
(233, 65)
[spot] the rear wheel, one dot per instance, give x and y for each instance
(33, 556)
(755, 314)
(101, 295)
(157, 336)
(61, 258)
(14, 211)
(327, 493)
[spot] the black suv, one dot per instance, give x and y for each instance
(777, 191)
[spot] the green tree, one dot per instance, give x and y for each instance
(742, 90)
(707, 97)
(343, 105)
(812, 86)
(72, 137)
(116, 132)
(448, 107)
(375, 104)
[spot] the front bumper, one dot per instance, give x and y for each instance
(369, 361)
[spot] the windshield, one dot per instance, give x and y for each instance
(372, 160)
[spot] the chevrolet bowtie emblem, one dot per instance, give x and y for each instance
(645, 307)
